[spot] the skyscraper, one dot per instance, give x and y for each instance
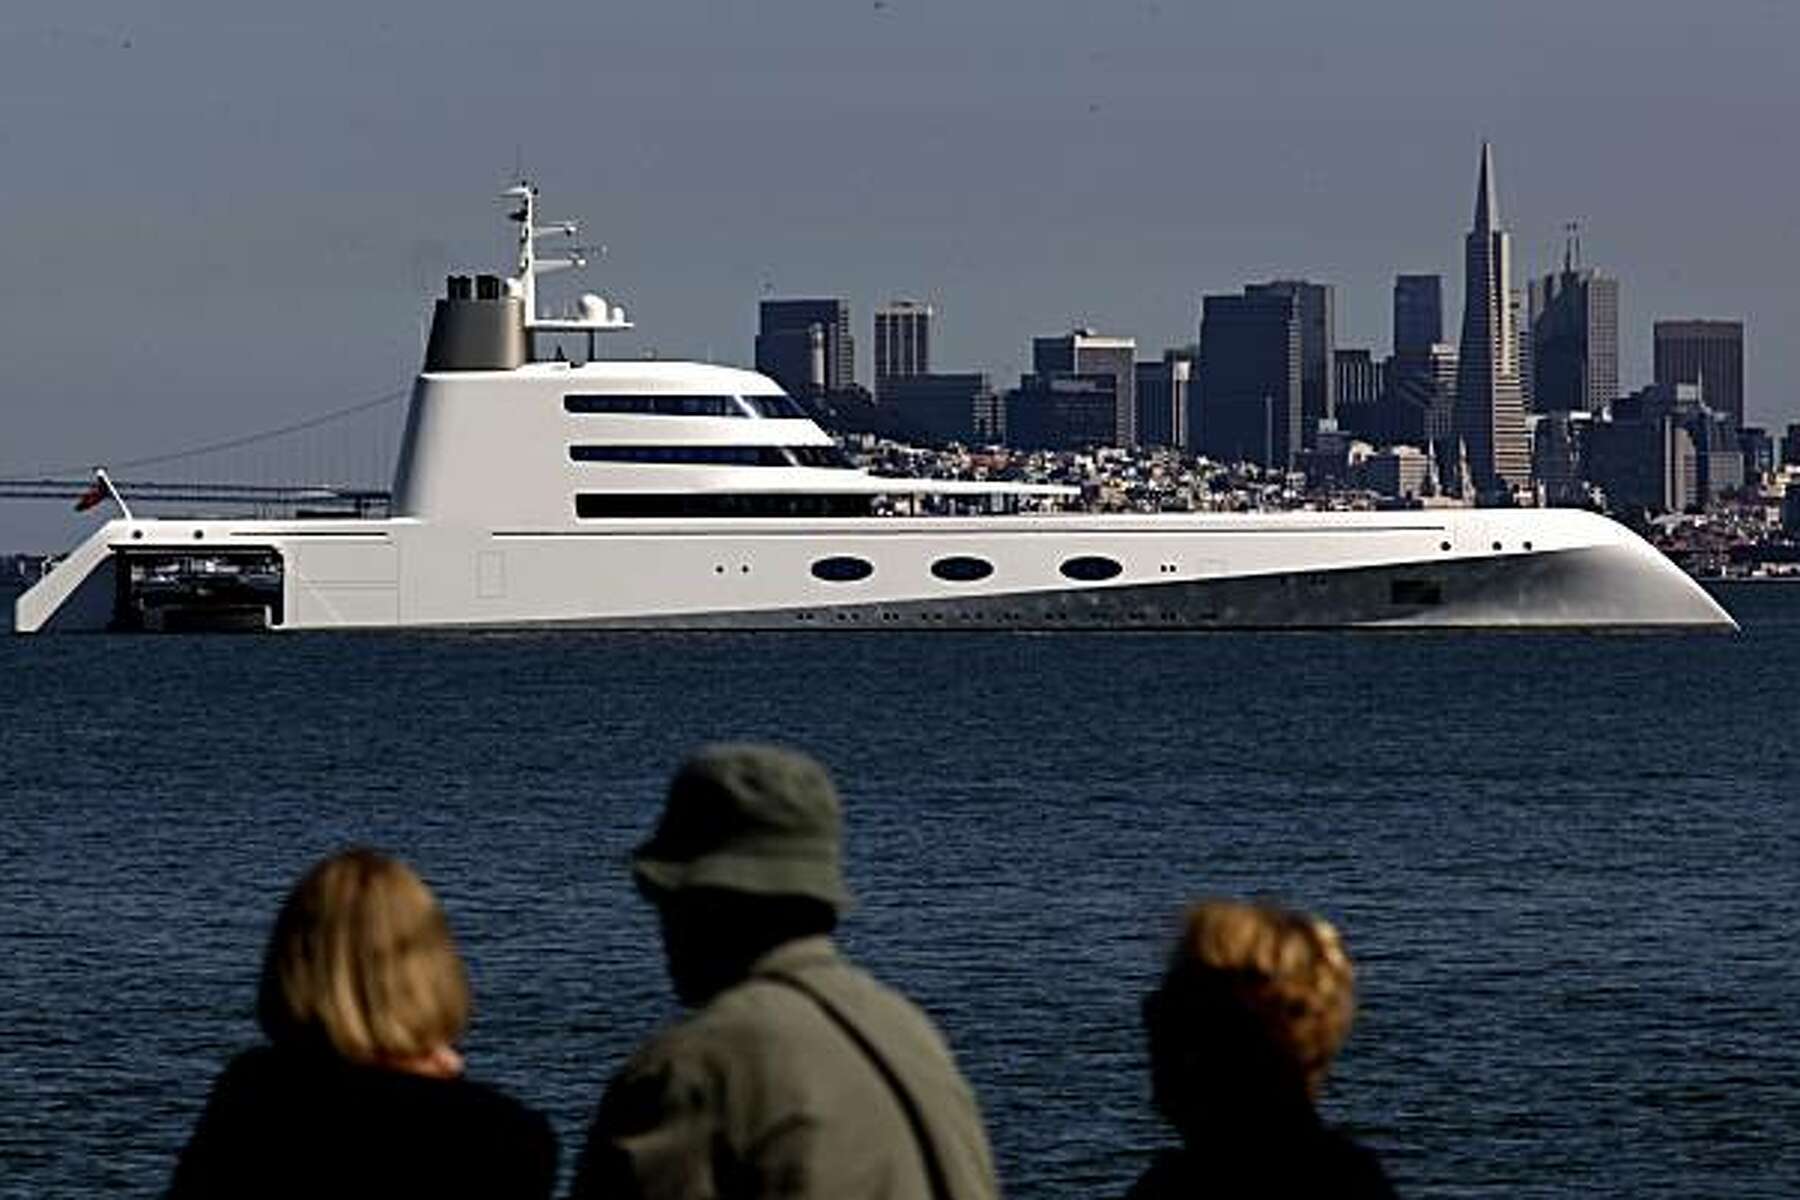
(1250, 378)
(1709, 353)
(1062, 411)
(902, 341)
(1490, 411)
(1418, 406)
(1521, 327)
(956, 407)
(806, 347)
(1317, 308)
(1574, 339)
(1360, 382)
(1418, 313)
(1162, 399)
(1358, 377)
(1084, 352)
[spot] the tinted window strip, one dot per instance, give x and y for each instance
(656, 405)
(781, 407)
(603, 505)
(743, 456)
(819, 456)
(737, 456)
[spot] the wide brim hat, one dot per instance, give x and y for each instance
(744, 817)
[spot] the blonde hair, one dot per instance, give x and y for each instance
(361, 959)
(1286, 970)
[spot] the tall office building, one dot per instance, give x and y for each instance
(1317, 305)
(1162, 399)
(1521, 327)
(1418, 406)
(1418, 313)
(960, 407)
(1360, 383)
(1359, 379)
(1490, 410)
(1062, 411)
(1250, 378)
(1084, 352)
(1574, 339)
(902, 341)
(806, 347)
(1708, 353)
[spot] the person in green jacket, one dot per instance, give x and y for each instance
(795, 1073)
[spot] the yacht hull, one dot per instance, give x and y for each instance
(1458, 569)
(1575, 589)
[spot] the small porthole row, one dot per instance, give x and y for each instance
(1526, 546)
(1496, 547)
(1444, 546)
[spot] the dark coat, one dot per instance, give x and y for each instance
(1299, 1158)
(294, 1123)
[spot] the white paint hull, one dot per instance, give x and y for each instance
(1436, 568)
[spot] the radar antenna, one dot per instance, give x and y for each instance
(592, 314)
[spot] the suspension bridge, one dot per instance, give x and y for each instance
(334, 463)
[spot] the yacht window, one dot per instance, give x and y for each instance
(1090, 568)
(780, 406)
(843, 569)
(603, 505)
(739, 456)
(656, 405)
(819, 456)
(960, 568)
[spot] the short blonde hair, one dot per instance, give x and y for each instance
(1287, 970)
(361, 960)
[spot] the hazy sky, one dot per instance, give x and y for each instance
(218, 215)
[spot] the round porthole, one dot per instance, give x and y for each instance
(960, 568)
(842, 569)
(1090, 568)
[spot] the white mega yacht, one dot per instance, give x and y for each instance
(676, 495)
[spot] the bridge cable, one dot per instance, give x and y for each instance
(249, 439)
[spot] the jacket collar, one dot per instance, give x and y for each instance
(797, 955)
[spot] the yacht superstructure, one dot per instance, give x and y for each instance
(651, 494)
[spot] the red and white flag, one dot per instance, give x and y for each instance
(102, 489)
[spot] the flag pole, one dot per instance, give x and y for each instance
(107, 483)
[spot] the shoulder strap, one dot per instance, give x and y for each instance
(909, 1105)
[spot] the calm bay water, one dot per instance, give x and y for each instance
(1568, 868)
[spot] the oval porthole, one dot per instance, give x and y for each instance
(842, 569)
(960, 568)
(1090, 568)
